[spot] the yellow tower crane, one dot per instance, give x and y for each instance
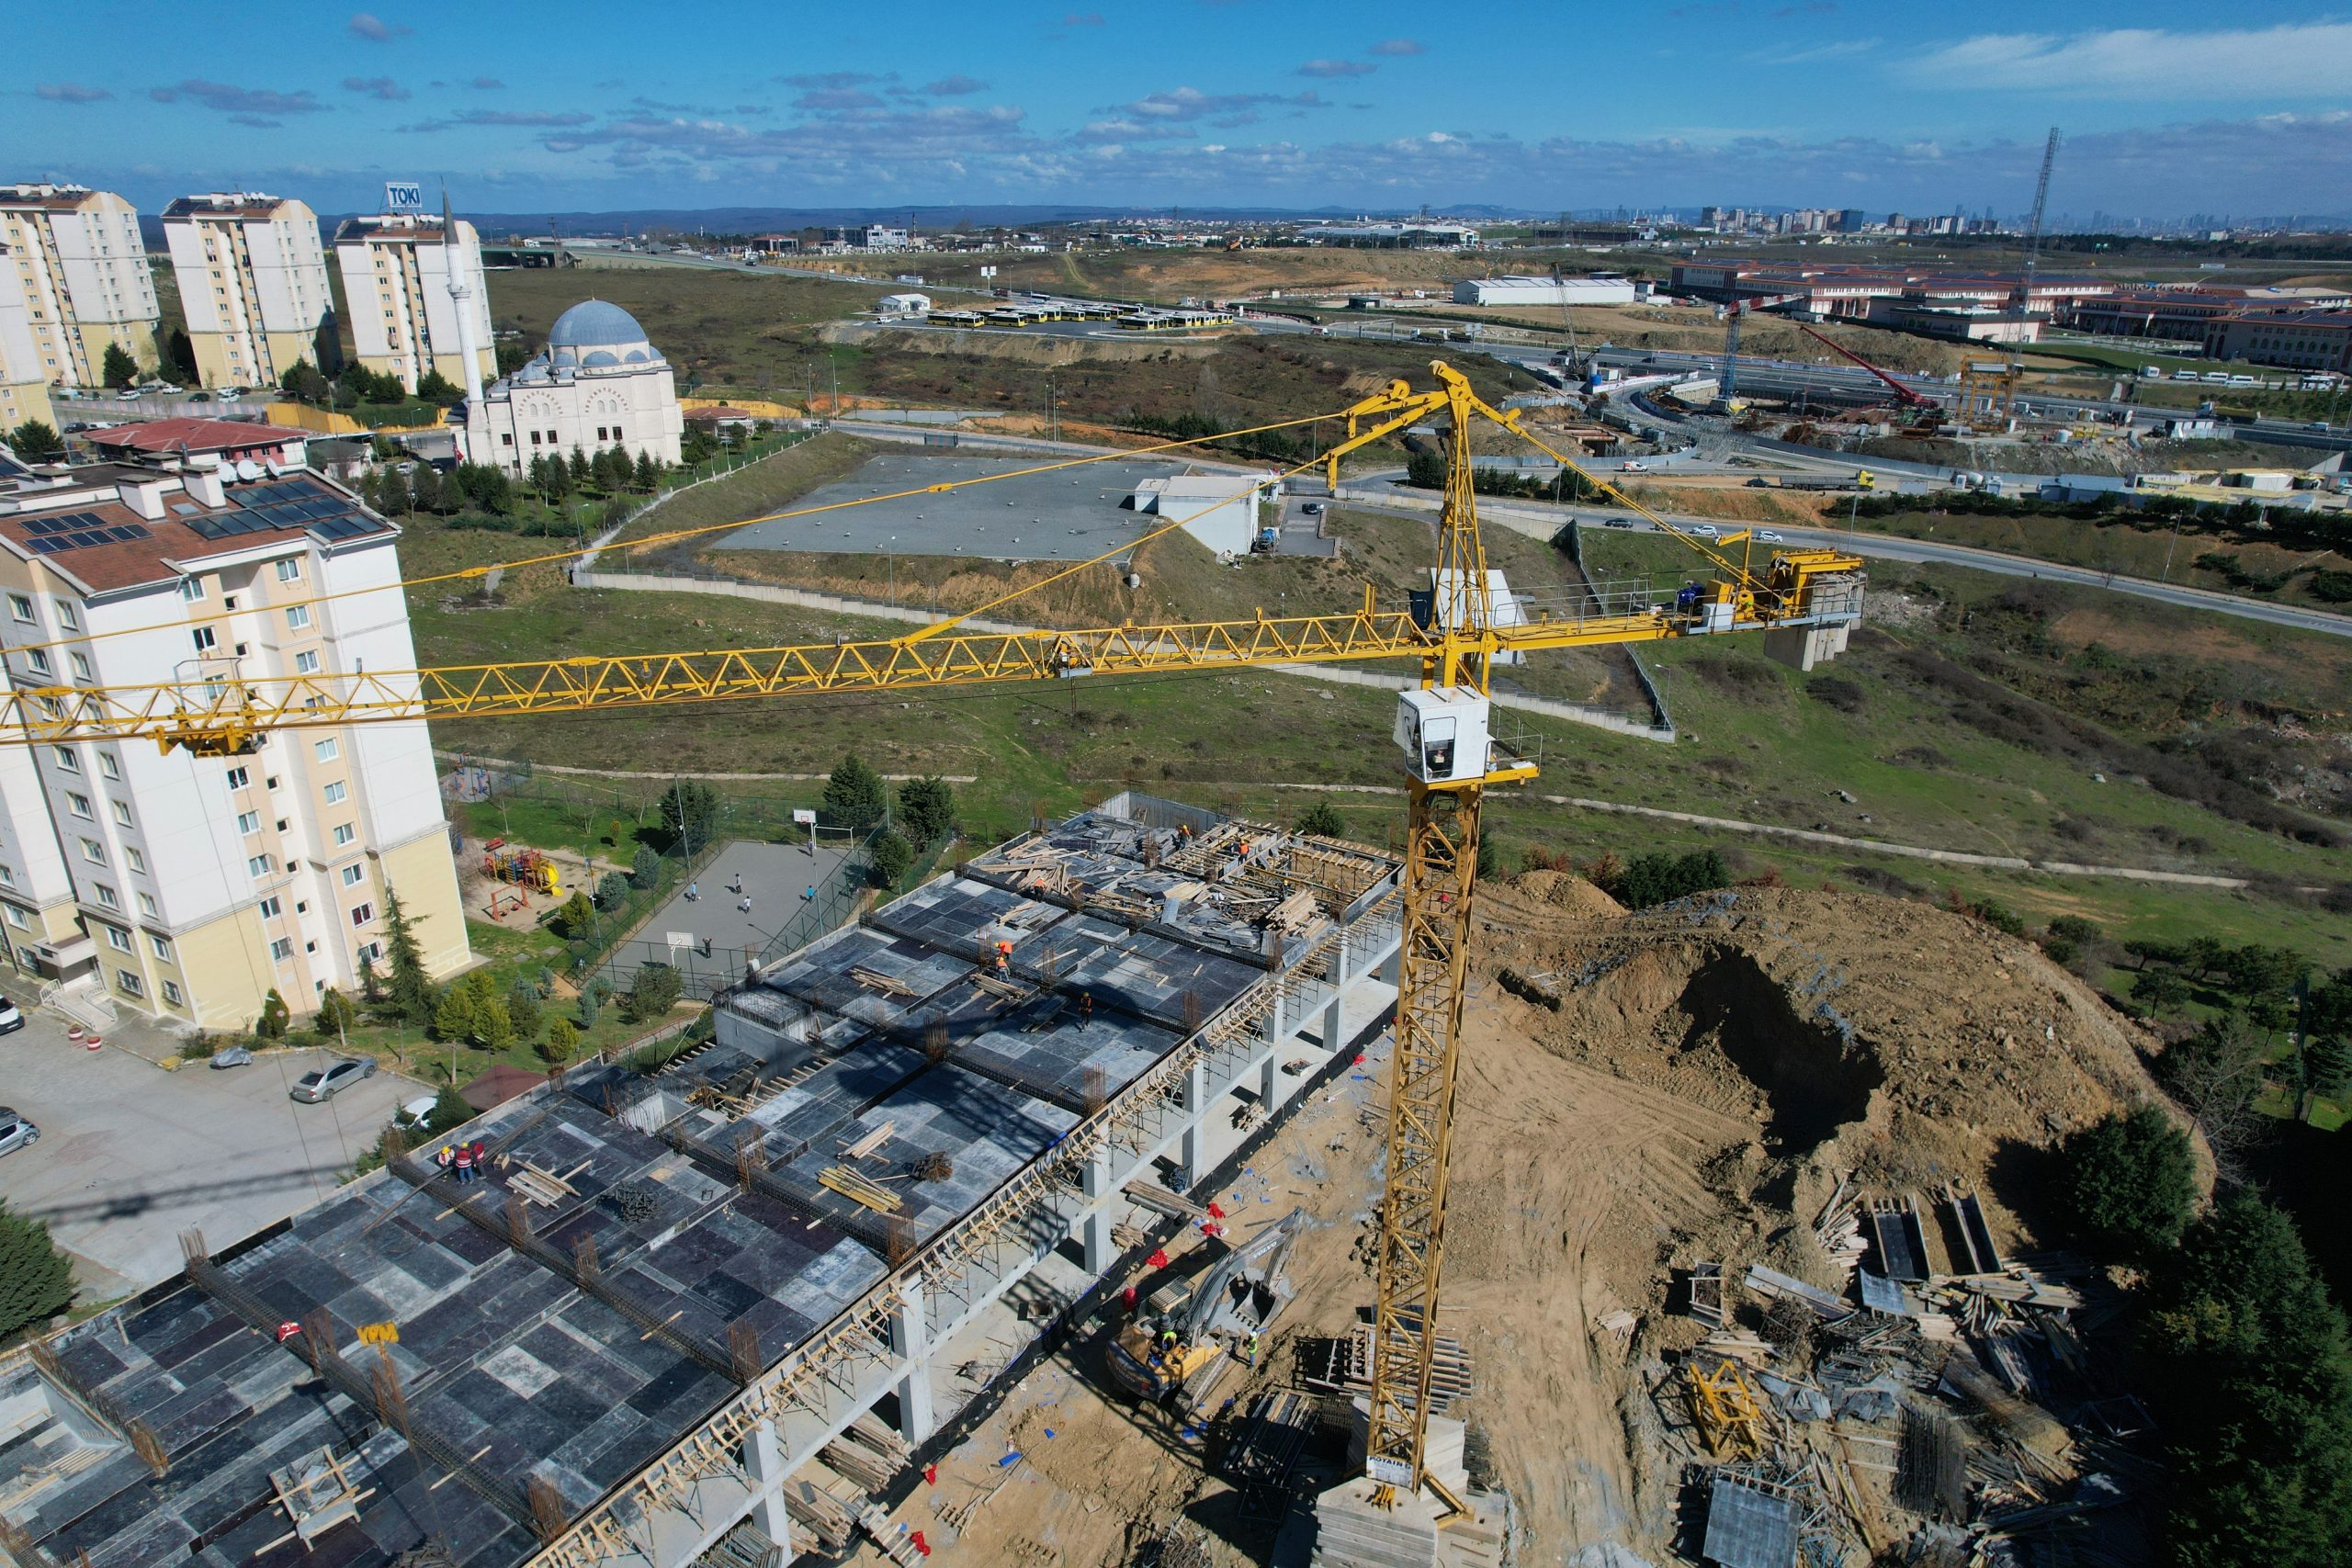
(1442, 726)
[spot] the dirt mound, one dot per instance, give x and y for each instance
(1565, 891)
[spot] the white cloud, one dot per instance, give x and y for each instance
(2294, 59)
(374, 29)
(1337, 68)
(1398, 46)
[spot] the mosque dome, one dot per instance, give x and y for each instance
(594, 324)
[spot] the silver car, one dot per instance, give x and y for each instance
(16, 1132)
(325, 1083)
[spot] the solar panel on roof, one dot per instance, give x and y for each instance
(77, 531)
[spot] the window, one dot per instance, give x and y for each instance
(335, 791)
(270, 908)
(147, 907)
(65, 615)
(191, 589)
(81, 665)
(94, 851)
(137, 861)
(239, 778)
(16, 916)
(258, 865)
(7, 877)
(290, 570)
(298, 616)
(105, 896)
(204, 640)
(121, 813)
(370, 953)
(363, 913)
(344, 834)
(108, 766)
(159, 947)
(306, 662)
(128, 983)
(66, 759)
(117, 938)
(282, 949)
(353, 875)
(326, 750)
(248, 821)
(79, 805)
(38, 660)
(172, 995)
(21, 607)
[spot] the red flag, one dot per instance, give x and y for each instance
(930, 1476)
(1159, 1258)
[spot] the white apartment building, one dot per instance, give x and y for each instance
(24, 389)
(396, 273)
(185, 886)
(82, 268)
(253, 277)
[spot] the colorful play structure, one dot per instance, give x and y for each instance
(521, 872)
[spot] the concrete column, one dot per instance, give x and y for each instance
(911, 1337)
(1392, 968)
(1095, 1228)
(764, 1460)
(1196, 1094)
(1269, 1082)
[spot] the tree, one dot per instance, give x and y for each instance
(653, 992)
(335, 1013)
(275, 1017)
(926, 810)
(591, 1001)
(36, 1280)
(2253, 1383)
(644, 867)
(2131, 1181)
(1323, 820)
(2215, 1075)
(1647, 880)
(455, 1017)
(371, 981)
(435, 387)
(893, 856)
(578, 916)
(2160, 990)
(36, 442)
(690, 814)
(523, 1009)
(562, 1041)
(611, 889)
(485, 485)
(649, 474)
(118, 368)
(854, 795)
(303, 383)
(473, 1010)
(409, 990)
(179, 355)
(555, 479)
(449, 1111)
(578, 463)
(2327, 1068)
(426, 491)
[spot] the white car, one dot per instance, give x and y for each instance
(1767, 536)
(415, 1113)
(1704, 530)
(1630, 466)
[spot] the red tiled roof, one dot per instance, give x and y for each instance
(196, 436)
(145, 558)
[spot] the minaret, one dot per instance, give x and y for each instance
(461, 300)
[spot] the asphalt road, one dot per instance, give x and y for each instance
(131, 1155)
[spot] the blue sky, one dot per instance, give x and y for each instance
(2168, 107)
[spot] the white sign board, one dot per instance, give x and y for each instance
(404, 195)
(808, 819)
(681, 939)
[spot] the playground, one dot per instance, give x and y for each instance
(515, 887)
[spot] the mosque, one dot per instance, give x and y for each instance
(598, 384)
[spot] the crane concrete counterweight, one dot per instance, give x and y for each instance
(1804, 601)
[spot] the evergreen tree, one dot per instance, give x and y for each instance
(578, 916)
(36, 1280)
(926, 810)
(653, 992)
(454, 1017)
(644, 867)
(36, 442)
(118, 369)
(587, 1008)
(562, 1041)
(435, 387)
(275, 1016)
(2131, 1180)
(303, 383)
(335, 1014)
(854, 795)
(648, 474)
(578, 463)
(523, 1010)
(690, 813)
(426, 491)
(450, 1112)
(411, 990)
(1323, 820)
(555, 479)
(611, 889)
(179, 355)
(371, 982)
(893, 856)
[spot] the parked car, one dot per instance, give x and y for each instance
(1311, 508)
(416, 1112)
(325, 1083)
(12, 1018)
(16, 1132)
(233, 1056)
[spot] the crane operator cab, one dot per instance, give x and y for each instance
(1444, 733)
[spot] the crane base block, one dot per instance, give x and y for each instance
(1802, 647)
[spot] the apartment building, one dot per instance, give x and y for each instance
(396, 274)
(24, 389)
(82, 271)
(189, 888)
(253, 278)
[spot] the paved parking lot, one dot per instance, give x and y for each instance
(131, 1155)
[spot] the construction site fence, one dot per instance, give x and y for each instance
(1571, 539)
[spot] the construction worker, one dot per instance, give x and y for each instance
(1249, 1351)
(463, 1163)
(1003, 957)
(1086, 1004)
(1167, 1339)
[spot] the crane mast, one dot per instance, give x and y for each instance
(2024, 296)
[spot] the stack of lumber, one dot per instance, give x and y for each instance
(870, 1431)
(858, 1464)
(858, 1190)
(1160, 1200)
(1839, 1229)
(824, 1515)
(893, 1538)
(544, 1188)
(870, 1141)
(2026, 1292)
(1736, 1344)
(1351, 1368)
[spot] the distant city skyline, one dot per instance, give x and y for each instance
(2169, 110)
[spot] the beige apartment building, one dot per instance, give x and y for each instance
(81, 269)
(253, 280)
(398, 270)
(189, 888)
(24, 389)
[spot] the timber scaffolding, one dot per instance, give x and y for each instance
(685, 1317)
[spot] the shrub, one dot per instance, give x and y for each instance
(653, 992)
(1649, 880)
(275, 1017)
(1323, 820)
(562, 1041)
(2131, 1182)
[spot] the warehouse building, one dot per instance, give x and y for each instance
(670, 1295)
(1545, 291)
(1219, 508)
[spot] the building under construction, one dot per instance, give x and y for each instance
(633, 1339)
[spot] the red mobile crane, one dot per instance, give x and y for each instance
(1908, 397)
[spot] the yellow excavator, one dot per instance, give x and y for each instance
(1178, 1343)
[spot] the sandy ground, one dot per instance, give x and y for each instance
(1711, 1071)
